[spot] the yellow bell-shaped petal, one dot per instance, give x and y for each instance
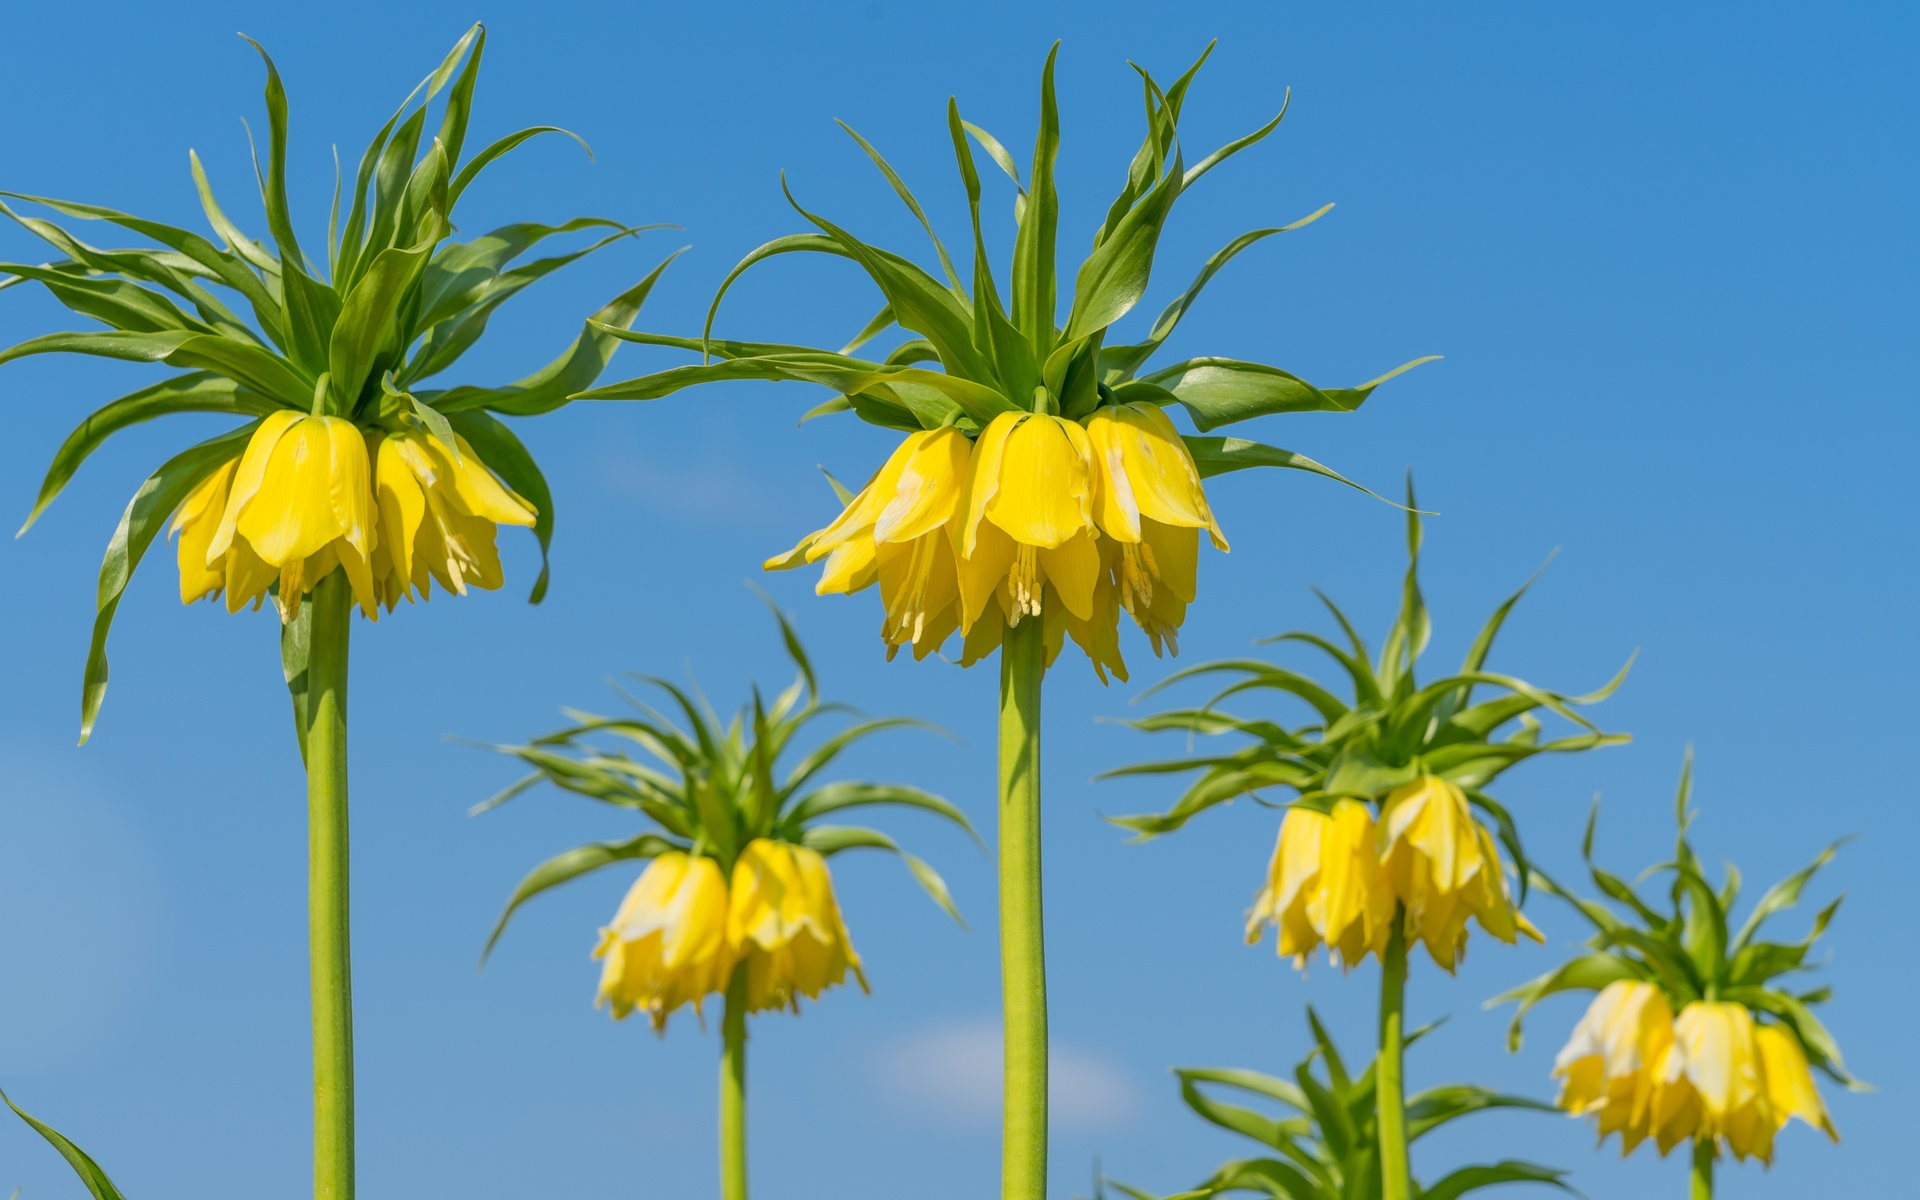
(1142, 469)
(1444, 867)
(439, 510)
(667, 946)
(298, 504)
(1030, 478)
(897, 531)
(1325, 885)
(784, 926)
(1715, 1075)
(1607, 1067)
(1790, 1087)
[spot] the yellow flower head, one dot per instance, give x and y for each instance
(668, 944)
(1443, 866)
(1712, 1073)
(1325, 885)
(439, 509)
(785, 928)
(1607, 1067)
(297, 503)
(394, 510)
(899, 532)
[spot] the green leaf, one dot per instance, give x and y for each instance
(296, 645)
(1114, 277)
(199, 391)
(835, 797)
(1221, 391)
(367, 330)
(573, 372)
(113, 302)
(504, 145)
(98, 1185)
(1435, 1107)
(1218, 455)
(129, 347)
(571, 865)
(1470, 1179)
(1033, 244)
(829, 840)
(1782, 896)
(145, 517)
(1118, 363)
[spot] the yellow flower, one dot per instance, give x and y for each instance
(1608, 1064)
(1713, 1083)
(439, 510)
(785, 927)
(394, 510)
(1028, 532)
(899, 533)
(1325, 884)
(1790, 1086)
(298, 503)
(668, 944)
(1147, 498)
(1443, 866)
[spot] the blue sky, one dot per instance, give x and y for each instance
(1668, 255)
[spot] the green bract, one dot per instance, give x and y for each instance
(722, 786)
(1389, 730)
(396, 305)
(994, 357)
(1327, 1138)
(1692, 951)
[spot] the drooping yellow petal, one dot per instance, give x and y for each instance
(1326, 886)
(785, 927)
(196, 521)
(293, 513)
(1044, 493)
(251, 472)
(667, 945)
(1144, 469)
(1790, 1086)
(1445, 869)
(1073, 568)
(929, 487)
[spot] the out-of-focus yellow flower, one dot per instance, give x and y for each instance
(1790, 1087)
(1325, 885)
(668, 944)
(1711, 1073)
(439, 511)
(1444, 867)
(1608, 1066)
(1713, 1083)
(899, 532)
(1148, 500)
(785, 928)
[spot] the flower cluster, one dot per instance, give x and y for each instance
(1039, 515)
(683, 929)
(394, 510)
(1710, 1073)
(1337, 878)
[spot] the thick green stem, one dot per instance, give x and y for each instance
(1390, 1095)
(1023, 968)
(733, 1090)
(332, 979)
(1700, 1179)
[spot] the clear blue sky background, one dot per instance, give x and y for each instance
(1669, 255)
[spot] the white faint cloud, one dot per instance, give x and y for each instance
(952, 1071)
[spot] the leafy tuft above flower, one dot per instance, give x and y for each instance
(1046, 477)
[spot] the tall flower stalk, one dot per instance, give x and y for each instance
(1694, 1033)
(1041, 486)
(1386, 842)
(736, 900)
(354, 480)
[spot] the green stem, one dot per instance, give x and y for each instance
(733, 1090)
(1700, 1179)
(1023, 969)
(332, 980)
(1396, 1181)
